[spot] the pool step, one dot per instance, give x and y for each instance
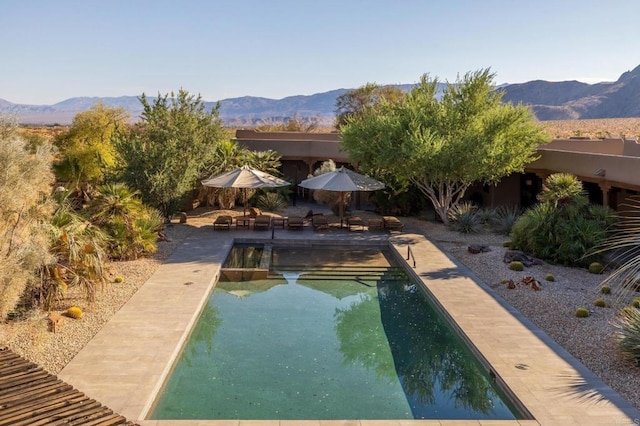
(344, 273)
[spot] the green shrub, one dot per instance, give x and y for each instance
(74, 312)
(562, 228)
(516, 266)
(636, 302)
(595, 268)
(550, 277)
(118, 279)
(600, 303)
(463, 218)
(582, 312)
(605, 289)
(628, 333)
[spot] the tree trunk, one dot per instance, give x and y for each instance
(443, 195)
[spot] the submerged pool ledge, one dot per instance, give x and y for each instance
(125, 364)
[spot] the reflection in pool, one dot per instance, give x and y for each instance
(312, 348)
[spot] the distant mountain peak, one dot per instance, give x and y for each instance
(548, 100)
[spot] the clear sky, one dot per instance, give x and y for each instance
(56, 49)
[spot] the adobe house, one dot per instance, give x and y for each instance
(608, 168)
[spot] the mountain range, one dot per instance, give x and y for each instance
(566, 100)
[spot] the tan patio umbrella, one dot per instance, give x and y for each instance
(244, 177)
(342, 180)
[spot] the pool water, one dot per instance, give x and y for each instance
(303, 347)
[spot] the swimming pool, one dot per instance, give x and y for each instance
(335, 342)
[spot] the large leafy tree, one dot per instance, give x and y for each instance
(87, 153)
(360, 99)
(444, 145)
(164, 156)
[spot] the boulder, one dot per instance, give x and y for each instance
(478, 248)
(519, 256)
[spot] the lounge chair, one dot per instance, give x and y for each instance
(392, 223)
(262, 222)
(355, 223)
(319, 222)
(295, 223)
(222, 222)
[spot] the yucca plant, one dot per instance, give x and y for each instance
(272, 201)
(628, 333)
(463, 218)
(503, 218)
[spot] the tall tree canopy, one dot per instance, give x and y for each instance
(165, 154)
(87, 154)
(443, 146)
(362, 98)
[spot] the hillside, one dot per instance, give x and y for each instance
(566, 100)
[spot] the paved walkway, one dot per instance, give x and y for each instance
(125, 364)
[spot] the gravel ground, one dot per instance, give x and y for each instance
(591, 340)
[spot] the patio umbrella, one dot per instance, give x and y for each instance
(244, 177)
(342, 180)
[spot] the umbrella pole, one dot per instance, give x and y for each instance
(244, 204)
(341, 207)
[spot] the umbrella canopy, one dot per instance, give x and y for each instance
(244, 177)
(342, 180)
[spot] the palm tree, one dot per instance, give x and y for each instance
(131, 226)
(78, 250)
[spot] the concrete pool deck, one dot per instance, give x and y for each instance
(125, 364)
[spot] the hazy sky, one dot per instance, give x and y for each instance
(56, 49)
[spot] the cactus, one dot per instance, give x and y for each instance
(74, 312)
(582, 312)
(596, 268)
(516, 266)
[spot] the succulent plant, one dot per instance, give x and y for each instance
(516, 266)
(600, 303)
(74, 312)
(582, 312)
(549, 277)
(596, 268)
(636, 302)
(118, 279)
(605, 289)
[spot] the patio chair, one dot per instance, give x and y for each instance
(392, 223)
(355, 223)
(295, 223)
(262, 223)
(222, 222)
(319, 222)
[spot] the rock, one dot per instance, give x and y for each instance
(478, 248)
(517, 255)
(183, 217)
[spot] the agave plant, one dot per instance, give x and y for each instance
(503, 218)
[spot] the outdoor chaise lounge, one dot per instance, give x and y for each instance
(392, 223)
(355, 223)
(295, 223)
(222, 222)
(319, 222)
(262, 222)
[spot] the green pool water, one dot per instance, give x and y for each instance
(299, 348)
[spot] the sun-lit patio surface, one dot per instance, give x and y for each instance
(126, 363)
